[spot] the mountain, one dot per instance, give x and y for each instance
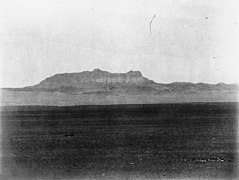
(98, 80)
(102, 87)
(90, 80)
(96, 76)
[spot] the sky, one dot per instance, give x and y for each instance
(190, 40)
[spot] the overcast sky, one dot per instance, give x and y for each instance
(191, 40)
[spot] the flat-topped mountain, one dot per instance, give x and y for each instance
(134, 81)
(96, 76)
(102, 87)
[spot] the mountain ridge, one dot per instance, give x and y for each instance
(100, 81)
(99, 87)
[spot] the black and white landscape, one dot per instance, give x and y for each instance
(118, 89)
(127, 127)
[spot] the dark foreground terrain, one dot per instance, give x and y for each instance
(194, 140)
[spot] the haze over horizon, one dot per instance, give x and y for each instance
(191, 41)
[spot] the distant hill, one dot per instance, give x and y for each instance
(102, 87)
(98, 81)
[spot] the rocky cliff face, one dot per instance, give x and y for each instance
(96, 76)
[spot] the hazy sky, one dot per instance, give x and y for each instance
(191, 40)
